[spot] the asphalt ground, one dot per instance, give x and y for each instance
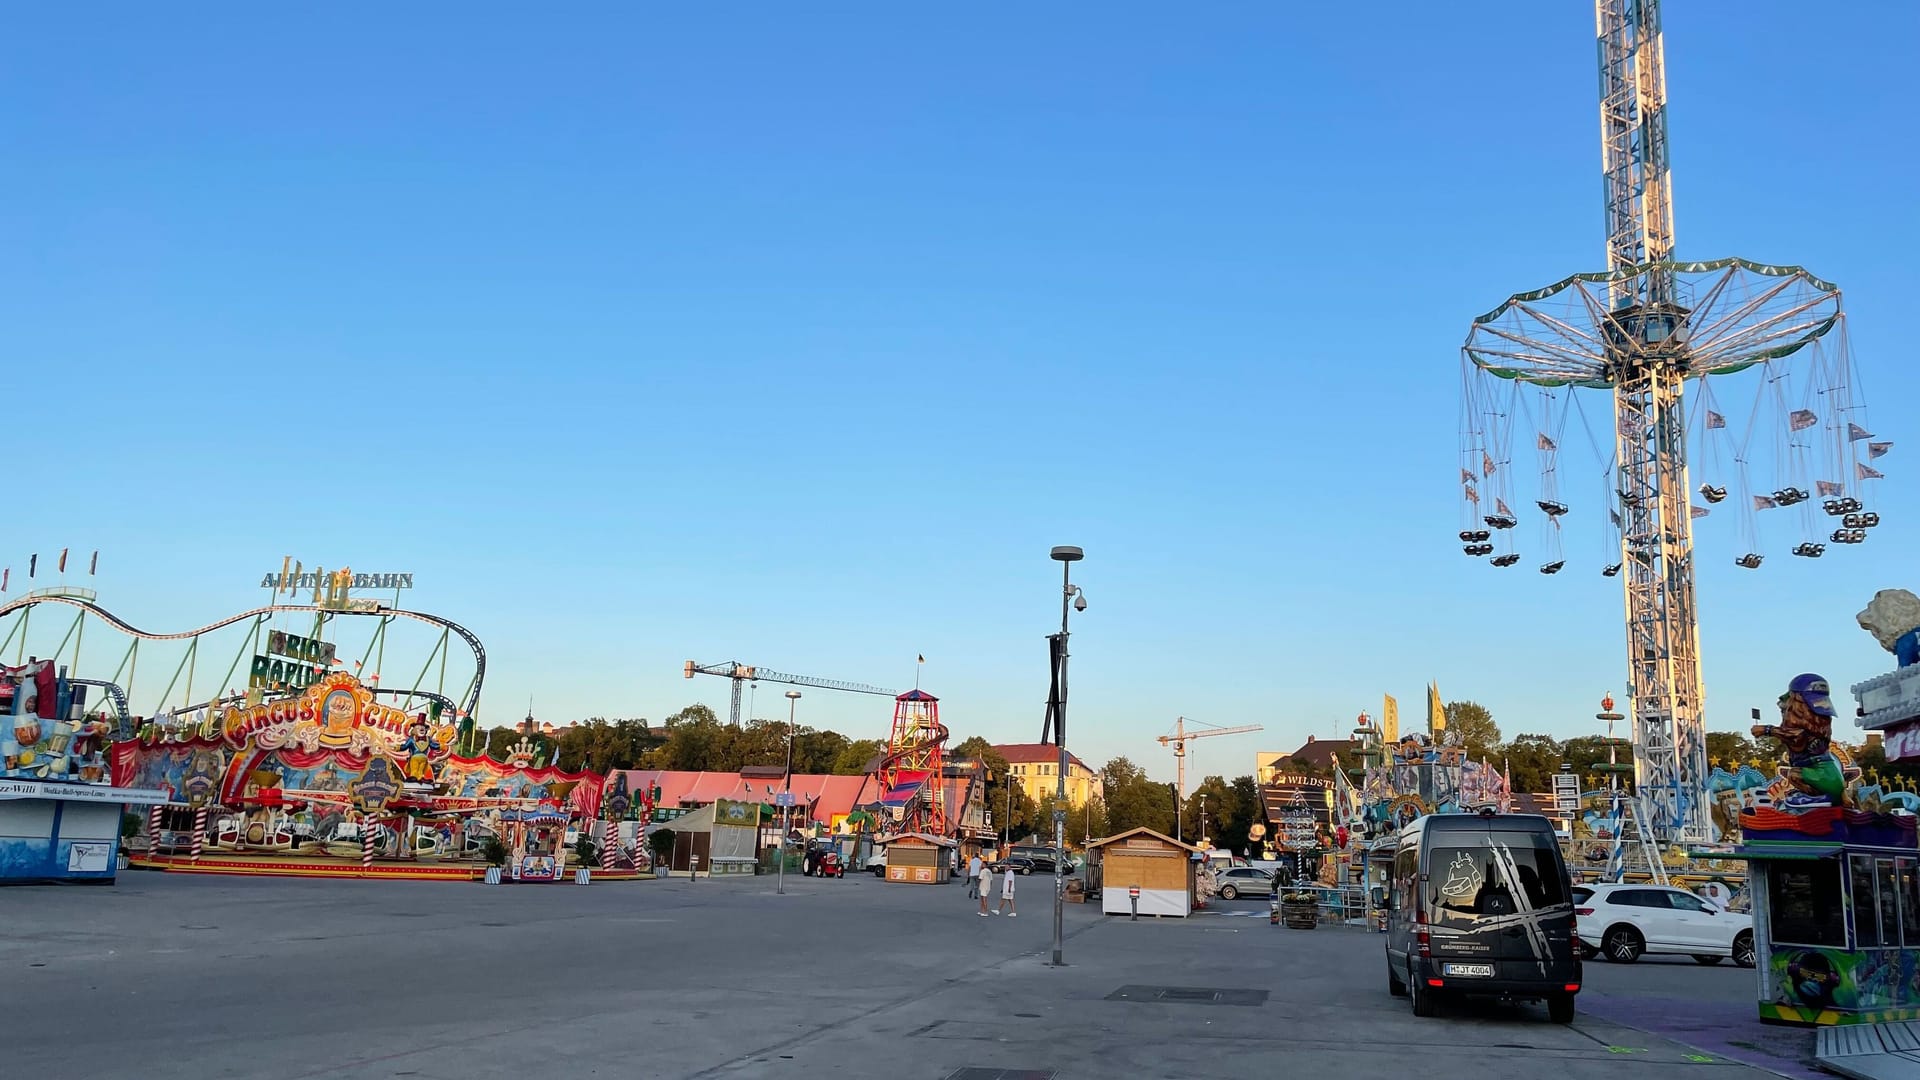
(168, 976)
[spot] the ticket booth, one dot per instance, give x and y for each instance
(918, 858)
(1836, 931)
(1158, 866)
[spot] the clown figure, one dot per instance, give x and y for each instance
(419, 745)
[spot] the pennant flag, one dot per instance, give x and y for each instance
(1466, 477)
(1801, 419)
(1764, 502)
(1697, 511)
(1486, 463)
(1855, 433)
(33, 565)
(1878, 449)
(93, 565)
(1436, 712)
(1863, 471)
(1715, 420)
(4, 575)
(63, 560)
(1829, 487)
(1500, 507)
(1472, 495)
(1546, 443)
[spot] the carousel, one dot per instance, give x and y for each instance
(328, 782)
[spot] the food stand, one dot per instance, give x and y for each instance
(917, 858)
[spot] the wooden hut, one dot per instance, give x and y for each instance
(1161, 867)
(918, 858)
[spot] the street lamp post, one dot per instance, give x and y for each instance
(1070, 600)
(1203, 820)
(786, 800)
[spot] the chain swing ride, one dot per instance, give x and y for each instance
(1790, 439)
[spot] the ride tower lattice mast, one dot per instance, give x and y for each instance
(1647, 362)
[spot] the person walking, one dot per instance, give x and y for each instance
(973, 877)
(1006, 894)
(986, 887)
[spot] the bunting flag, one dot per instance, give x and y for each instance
(1878, 449)
(1500, 506)
(1764, 502)
(1863, 471)
(1545, 443)
(93, 565)
(1855, 433)
(1801, 419)
(1486, 463)
(1466, 477)
(1829, 487)
(1715, 420)
(63, 560)
(1472, 495)
(1697, 511)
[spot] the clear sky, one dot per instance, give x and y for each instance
(799, 335)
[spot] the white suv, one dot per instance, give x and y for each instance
(1620, 922)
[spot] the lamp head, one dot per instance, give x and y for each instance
(1080, 603)
(1067, 553)
(793, 695)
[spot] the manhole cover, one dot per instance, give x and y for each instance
(1190, 995)
(975, 1072)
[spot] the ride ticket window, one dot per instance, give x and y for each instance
(1803, 904)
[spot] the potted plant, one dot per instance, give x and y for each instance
(586, 852)
(660, 845)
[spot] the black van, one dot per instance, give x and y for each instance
(1480, 904)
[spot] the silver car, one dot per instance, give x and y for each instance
(1239, 881)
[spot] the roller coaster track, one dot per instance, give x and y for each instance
(108, 617)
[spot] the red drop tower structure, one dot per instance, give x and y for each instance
(911, 773)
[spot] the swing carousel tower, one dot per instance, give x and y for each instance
(1640, 330)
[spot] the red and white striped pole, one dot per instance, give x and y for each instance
(366, 845)
(199, 831)
(153, 829)
(610, 845)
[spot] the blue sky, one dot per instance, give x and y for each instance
(799, 337)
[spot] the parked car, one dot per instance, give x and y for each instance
(1623, 922)
(1481, 905)
(877, 863)
(1240, 881)
(1019, 864)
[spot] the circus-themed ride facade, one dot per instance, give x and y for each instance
(328, 781)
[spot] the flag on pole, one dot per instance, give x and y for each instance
(1764, 502)
(1545, 443)
(1863, 471)
(1801, 419)
(1715, 420)
(1436, 712)
(1829, 487)
(1855, 433)
(33, 566)
(1878, 449)
(63, 560)
(1390, 721)
(93, 565)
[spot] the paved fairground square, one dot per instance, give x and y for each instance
(166, 976)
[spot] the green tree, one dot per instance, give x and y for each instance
(1731, 749)
(1231, 809)
(857, 757)
(601, 744)
(1533, 759)
(1134, 801)
(1473, 725)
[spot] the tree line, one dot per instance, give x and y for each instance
(694, 740)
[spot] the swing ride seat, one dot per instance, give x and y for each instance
(1501, 521)
(1790, 496)
(1506, 560)
(1474, 536)
(1713, 494)
(1551, 508)
(1860, 521)
(1478, 550)
(1750, 560)
(1611, 571)
(1849, 536)
(1810, 550)
(1553, 567)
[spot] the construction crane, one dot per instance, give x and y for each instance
(1178, 740)
(745, 673)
